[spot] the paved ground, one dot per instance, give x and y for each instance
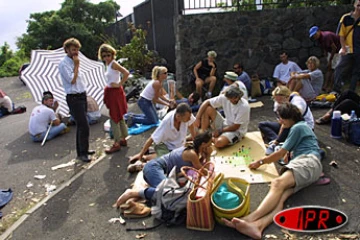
(81, 210)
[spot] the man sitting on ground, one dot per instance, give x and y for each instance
(233, 128)
(243, 76)
(170, 134)
(282, 70)
(6, 105)
(302, 171)
(40, 118)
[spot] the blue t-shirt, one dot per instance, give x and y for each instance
(301, 140)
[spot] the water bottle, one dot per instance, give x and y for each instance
(336, 124)
(353, 115)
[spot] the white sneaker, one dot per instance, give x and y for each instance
(270, 149)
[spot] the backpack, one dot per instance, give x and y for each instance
(171, 200)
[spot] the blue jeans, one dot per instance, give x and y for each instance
(348, 68)
(149, 117)
(54, 131)
(154, 172)
(270, 130)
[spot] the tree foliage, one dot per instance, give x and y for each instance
(137, 55)
(76, 18)
(11, 63)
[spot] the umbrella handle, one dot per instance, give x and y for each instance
(47, 133)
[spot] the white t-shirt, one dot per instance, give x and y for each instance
(301, 105)
(282, 71)
(40, 118)
(234, 114)
(112, 76)
(167, 133)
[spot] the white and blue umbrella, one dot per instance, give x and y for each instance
(43, 75)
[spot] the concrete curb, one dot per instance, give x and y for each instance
(8, 233)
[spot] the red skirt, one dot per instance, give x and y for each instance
(115, 101)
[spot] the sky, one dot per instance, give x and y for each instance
(14, 13)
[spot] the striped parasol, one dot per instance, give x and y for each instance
(43, 75)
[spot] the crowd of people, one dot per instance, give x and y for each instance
(218, 121)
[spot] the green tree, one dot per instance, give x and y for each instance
(136, 53)
(5, 53)
(12, 65)
(76, 18)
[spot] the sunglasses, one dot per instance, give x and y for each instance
(106, 55)
(165, 73)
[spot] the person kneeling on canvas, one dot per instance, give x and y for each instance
(304, 169)
(156, 170)
(40, 118)
(237, 116)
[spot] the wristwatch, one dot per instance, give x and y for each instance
(261, 162)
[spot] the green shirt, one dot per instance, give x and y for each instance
(301, 140)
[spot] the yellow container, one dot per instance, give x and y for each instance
(235, 185)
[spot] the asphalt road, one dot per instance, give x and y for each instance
(81, 210)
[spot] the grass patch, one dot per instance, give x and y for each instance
(8, 220)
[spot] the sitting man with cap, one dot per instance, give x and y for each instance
(231, 78)
(233, 128)
(40, 118)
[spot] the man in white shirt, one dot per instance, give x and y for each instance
(40, 118)
(237, 116)
(284, 69)
(172, 131)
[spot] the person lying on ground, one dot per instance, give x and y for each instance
(309, 82)
(170, 134)
(41, 117)
(345, 103)
(274, 132)
(194, 155)
(191, 100)
(302, 171)
(232, 128)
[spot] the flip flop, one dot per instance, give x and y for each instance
(322, 181)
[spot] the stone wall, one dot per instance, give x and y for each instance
(254, 38)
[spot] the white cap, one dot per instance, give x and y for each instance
(337, 114)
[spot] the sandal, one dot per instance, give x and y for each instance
(322, 181)
(137, 210)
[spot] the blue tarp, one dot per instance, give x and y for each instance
(140, 128)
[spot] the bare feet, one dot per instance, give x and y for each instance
(134, 158)
(129, 193)
(246, 228)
